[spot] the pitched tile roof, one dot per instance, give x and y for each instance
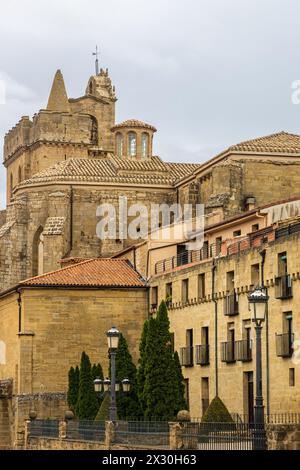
(152, 171)
(103, 272)
(281, 142)
(134, 123)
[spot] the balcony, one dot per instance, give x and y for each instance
(184, 258)
(228, 352)
(284, 345)
(187, 356)
(283, 287)
(202, 355)
(231, 305)
(243, 350)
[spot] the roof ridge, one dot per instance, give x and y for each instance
(56, 270)
(80, 263)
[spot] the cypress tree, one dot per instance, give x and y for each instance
(141, 368)
(73, 387)
(87, 405)
(127, 402)
(182, 405)
(161, 383)
(97, 371)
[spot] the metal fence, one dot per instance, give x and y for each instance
(143, 433)
(223, 436)
(86, 430)
(44, 428)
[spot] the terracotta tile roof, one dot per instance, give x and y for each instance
(134, 123)
(103, 272)
(152, 171)
(282, 142)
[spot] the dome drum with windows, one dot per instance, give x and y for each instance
(133, 139)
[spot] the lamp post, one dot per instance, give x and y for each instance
(112, 386)
(258, 300)
(113, 336)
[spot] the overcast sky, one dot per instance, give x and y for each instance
(206, 73)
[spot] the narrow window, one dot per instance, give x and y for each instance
(132, 144)
(169, 292)
(201, 285)
(154, 297)
(145, 144)
(11, 185)
(19, 175)
(119, 138)
(204, 394)
(237, 233)
(292, 377)
(255, 227)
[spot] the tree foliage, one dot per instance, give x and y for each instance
(127, 402)
(87, 404)
(217, 413)
(162, 391)
(73, 388)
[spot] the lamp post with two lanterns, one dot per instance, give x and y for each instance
(112, 386)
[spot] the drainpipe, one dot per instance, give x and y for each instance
(20, 309)
(263, 258)
(213, 275)
(71, 218)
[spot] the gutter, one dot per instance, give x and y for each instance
(213, 273)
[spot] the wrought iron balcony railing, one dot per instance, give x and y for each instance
(231, 304)
(228, 351)
(186, 257)
(283, 287)
(202, 355)
(284, 344)
(187, 356)
(243, 350)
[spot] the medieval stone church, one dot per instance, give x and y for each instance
(61, 165)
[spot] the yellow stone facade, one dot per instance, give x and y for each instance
(281, 380)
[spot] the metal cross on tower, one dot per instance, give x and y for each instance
(97, 53)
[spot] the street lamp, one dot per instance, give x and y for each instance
(98, 385)
(113, 336)
(126, 385)
(258, 300)
(106, 385)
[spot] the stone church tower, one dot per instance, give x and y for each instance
(61, 165)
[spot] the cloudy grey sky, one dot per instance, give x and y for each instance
(206, 73)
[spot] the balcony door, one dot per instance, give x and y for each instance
(249, 408)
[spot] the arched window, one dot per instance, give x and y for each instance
(132, 144)
(145, 144)
(19, 175)
(119, 140)
(38, 252)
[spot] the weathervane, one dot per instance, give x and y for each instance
(97, 53)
